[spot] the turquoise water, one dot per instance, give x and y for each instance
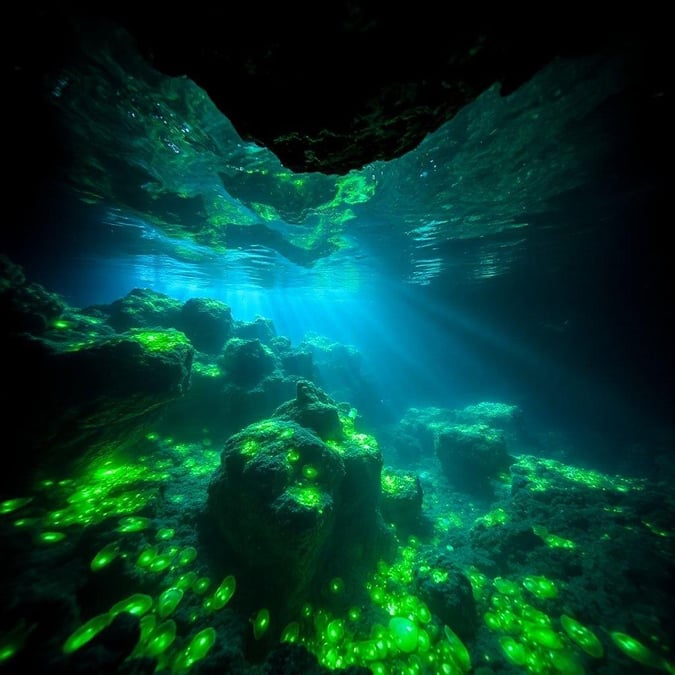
(416, 418)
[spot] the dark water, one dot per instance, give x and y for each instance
(517, 260)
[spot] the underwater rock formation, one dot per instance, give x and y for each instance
(94, 386)
(292, 507)
(207, 323)
(401, 498)
(274, 501)
(247, 362)
(472, 456)
(260, 328)
(314, 409)
(141, 308)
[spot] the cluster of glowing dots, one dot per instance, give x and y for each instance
(637, 651)
(496, 517)
(197, 459)
(91, 498)
(393, 484)
(528, 637)
(405, 639)
(160, 340)
(159, 638)
(553, 540)
(407, 644)
(586, 477)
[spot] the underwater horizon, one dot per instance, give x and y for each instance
(416, 418)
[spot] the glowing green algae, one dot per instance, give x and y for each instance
(86, 632)
(582, 636)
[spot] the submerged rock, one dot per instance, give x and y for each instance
(247, 362)
(142, 308)
(207, 323)
(472, 456)
(313, 408)
(274, 501)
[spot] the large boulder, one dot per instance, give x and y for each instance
(273, 502)
(207, 322)
(296, 510)
(401, 498)
(247, 362)
(142, 308)
(92, 396)
(313, 408)
(472, 456)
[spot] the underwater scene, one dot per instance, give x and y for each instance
(411, 419)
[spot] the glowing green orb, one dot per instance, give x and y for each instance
(168, 601)
(86, 632)
(136, 604)
(261, 623)
(404, 633)
(584, 637)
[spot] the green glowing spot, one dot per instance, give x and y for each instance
(506, 586)
(25, 522)
(86, 632)
(377, 594)
(422, 613)
(147, 556)
(250, 448)
(293, 456)
(11, 505)
(309, 472)
(541, 587)
(223, 594)
(199, 647)
(161, 638)
(160, 340)
(496, 517)
(165, 533)
(366, 651)
(335, 631)
(133, 524)
(261, 623)
(105, 556)
(584, 637)
(404, 633)
(336, 586)
(658, 531)
(459, 652)
(354, 613)
(307, 496)
(136, 604)
(60, 324)
(533, 615)
(161, 562)
(423, 641)
(201, 585)
(306, 610)
(168, 601)
(635, 650)
(186, 580)
(439, 576)
(542, 636)
(291, 633)
(187, 556)
(14, 640)
(51, 537)
(514, 651)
